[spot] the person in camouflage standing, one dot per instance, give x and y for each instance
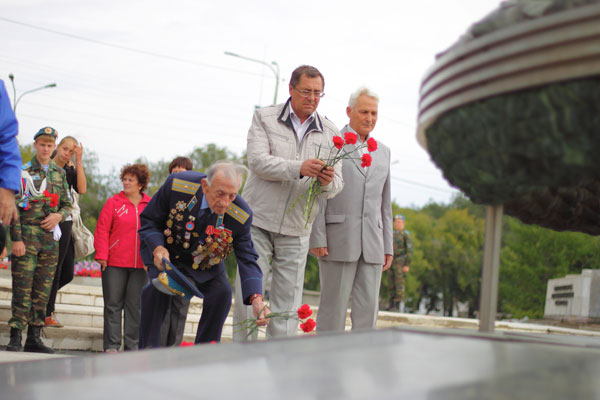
(43, 204)
(403, 248)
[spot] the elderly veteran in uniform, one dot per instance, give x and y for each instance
(195, 220)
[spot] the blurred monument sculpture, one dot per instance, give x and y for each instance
(510, 115)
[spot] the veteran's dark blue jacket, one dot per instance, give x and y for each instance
(179, 200)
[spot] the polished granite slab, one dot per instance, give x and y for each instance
(384, 364)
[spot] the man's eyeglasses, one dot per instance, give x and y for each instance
(308, 93)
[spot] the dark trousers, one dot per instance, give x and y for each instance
(121, 288)
(65, 266)
(173, 327)
(215, 308)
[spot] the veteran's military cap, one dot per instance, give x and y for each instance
(400, 216)
(174, 283)
(46, 131)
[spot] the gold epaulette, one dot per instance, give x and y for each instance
(179, 185)
(237, 213)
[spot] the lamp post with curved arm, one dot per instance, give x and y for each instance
(274, 67)
(16, 99)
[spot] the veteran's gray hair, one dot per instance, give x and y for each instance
(230, 169)
(359, 92)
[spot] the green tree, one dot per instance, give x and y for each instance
(530, 256)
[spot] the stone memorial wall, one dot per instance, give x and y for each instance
(574, 298)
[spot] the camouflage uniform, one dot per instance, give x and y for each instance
(33, 273)
(403, 249)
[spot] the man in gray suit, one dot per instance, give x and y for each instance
(352, 235)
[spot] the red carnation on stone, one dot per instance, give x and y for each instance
(308, 326)
(350, 138)
(338, 142)
(371, 144)
(304, 311)
(366, 160)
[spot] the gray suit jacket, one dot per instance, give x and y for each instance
(359, 219)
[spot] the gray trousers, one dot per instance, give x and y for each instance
(285, 258)
(339, 280)
(122, 289)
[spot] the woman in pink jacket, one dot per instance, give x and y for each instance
(118, 251)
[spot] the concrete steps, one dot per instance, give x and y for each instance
(80, 308)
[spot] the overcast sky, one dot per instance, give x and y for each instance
(150, 78)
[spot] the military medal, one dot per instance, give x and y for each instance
(189, 225)
(180, 205)
(170, 240)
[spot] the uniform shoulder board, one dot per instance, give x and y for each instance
(237, 213)
(187, 187)
(26, 165)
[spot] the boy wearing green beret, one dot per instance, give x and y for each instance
(43, 203)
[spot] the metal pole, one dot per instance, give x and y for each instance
(16, 99)
(275, 69)
(491, 268)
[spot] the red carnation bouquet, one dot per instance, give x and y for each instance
(51, 198)
(302, 314)
(337, 152)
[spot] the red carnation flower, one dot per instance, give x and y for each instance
(308, 326)
(304, 311)
(371, 144)
(366, 160)
(338, 142)
(350, 138)
(53, 197)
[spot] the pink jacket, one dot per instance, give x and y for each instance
(116, 238)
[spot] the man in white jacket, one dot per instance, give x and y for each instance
(283, 143)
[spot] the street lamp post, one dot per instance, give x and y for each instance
(275, 69)
(16, 99)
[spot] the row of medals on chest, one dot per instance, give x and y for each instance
(217, 244)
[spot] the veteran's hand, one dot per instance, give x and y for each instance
(311, 167)
(260, 309)
(103, 264)
(159, 253)
(8, 208)
(51, 221)
(388, 262)
(18, 249)
(319, 251)
(326, 176)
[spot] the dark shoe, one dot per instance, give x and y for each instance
(33, 343)
(15, 340)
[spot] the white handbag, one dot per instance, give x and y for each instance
(83, 239)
